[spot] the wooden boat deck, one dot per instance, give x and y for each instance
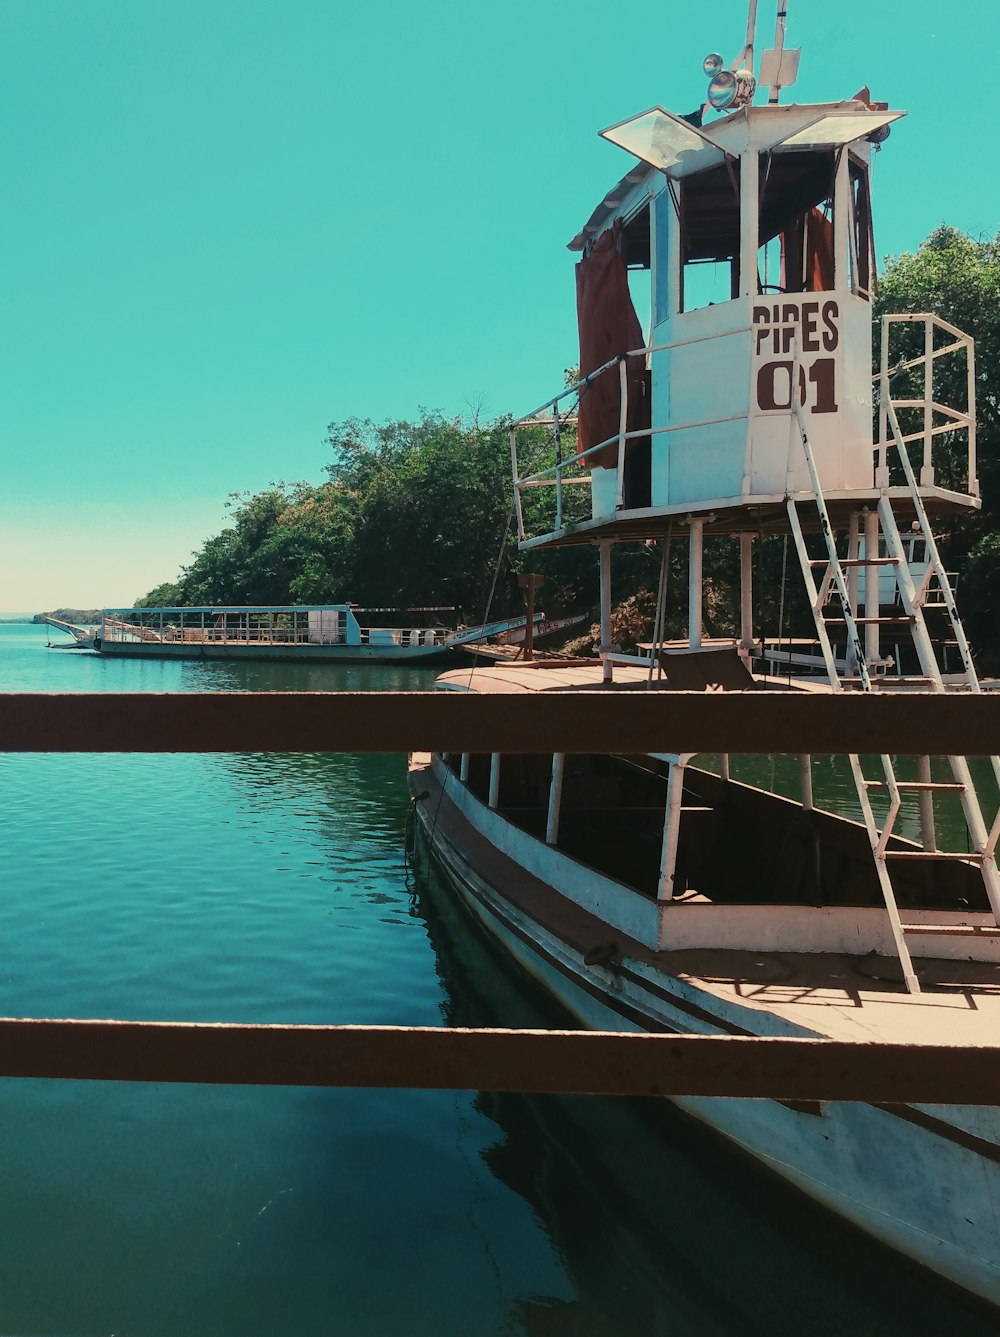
(540, 675)
(833, 995)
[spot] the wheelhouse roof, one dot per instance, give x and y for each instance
(668, 143)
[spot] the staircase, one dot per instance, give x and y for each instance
(835, 602)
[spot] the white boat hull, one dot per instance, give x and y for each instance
(304, 653)
(924, 1182)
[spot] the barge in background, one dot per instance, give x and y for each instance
(668, 893)
(320, 633)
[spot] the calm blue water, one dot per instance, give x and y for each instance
(271, 888)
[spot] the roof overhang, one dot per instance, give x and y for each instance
(670, 144)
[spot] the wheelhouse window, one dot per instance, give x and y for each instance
(797, 191)
(864, 279)
(709, 213)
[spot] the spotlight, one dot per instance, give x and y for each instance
(722, 89)
(728, 89)
(712, 64)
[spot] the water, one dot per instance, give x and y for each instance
(253, 888)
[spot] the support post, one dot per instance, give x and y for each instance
(671, 831)
(928, 832)
(871, 587)
(604, 548)
(622, 429)
(841, 214)
(746, 591)
(882, 468)
(853, 583)
(558, 441)
(494, 797)
(927, 469)
(696, 543)
(463, 773)
(805, 773)
(555, 798)
(970, 362)
(749, 222)
(530, 582)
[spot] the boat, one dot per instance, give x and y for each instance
(597, 1172)
(718, 895)
(320, 633)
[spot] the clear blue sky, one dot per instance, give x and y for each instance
(227, 223)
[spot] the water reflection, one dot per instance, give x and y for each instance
(660, 1225)
(263, 676)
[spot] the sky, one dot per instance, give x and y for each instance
(228, 223)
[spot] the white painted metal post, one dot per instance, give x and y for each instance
(882, 470)
(604, 548)
(841, 213)
(749, 222)
(671, 831)
(871, 586)
(805, 774)
(853, 582)
(622, 427)
(555, 798)
(463, 773)
(746, 590)
(970, 360)
(927, 470)
(517, 490)
(494, 797)
(558, 443)
(928, 832)
(695, 544)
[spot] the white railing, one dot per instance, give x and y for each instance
(956, 420)
(553, 475)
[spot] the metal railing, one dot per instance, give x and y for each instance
(555, 475)
(927, 405)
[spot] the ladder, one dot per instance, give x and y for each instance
(934, 591)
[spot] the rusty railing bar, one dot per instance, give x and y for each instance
(437, 1058)
(532, 722)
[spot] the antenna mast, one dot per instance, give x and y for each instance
(779, 46)
(747, 60)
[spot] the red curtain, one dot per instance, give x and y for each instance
(818, 241)
(608, 326)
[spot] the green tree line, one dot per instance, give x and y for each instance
(420, 513)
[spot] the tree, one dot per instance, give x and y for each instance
(288, 544)
(167, 595)
(433, 511)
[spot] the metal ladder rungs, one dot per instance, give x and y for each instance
(870, 621)
(941, 855)
(954, 930)
(857, 561)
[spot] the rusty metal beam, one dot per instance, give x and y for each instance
(431, 1058)
(758, 722)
